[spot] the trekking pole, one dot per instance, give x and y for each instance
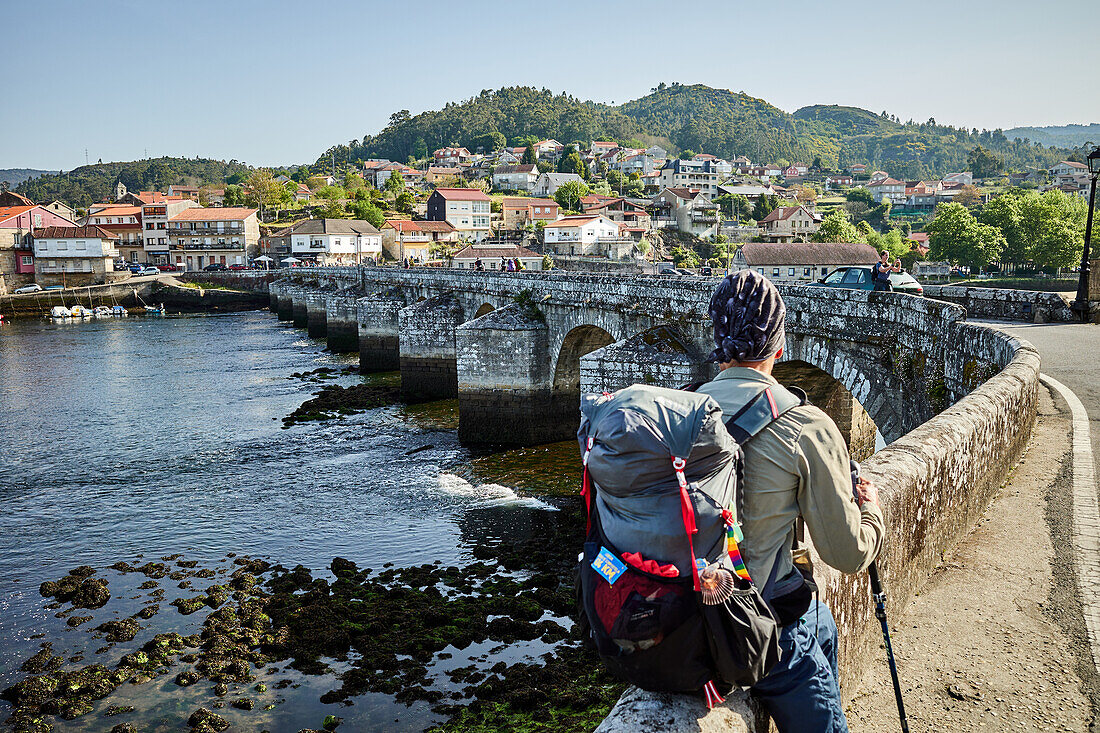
(879, 596)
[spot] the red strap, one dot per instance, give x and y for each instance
(586, 490)
(687, 513)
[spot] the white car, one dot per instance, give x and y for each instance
(149, 271)
(33, 288)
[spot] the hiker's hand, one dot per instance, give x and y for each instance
(866, 491)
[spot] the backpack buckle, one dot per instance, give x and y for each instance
(587, 451)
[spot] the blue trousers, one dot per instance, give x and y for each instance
(802, 691)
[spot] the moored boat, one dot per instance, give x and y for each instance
(79, 311)
(118, 310)
(102, 311)
(60, 311)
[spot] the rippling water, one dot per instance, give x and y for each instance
(156, 436)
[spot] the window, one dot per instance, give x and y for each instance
(775, 272)
(27, 260)
(81, 244)
(760, 270)
(38, 221)
(807, 271)
(852, 276)
(62, 244)
(835, 278)
(790, 272)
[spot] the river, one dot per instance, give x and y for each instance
(145, 437)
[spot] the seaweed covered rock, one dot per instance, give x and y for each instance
(120, 630)
(204, 718)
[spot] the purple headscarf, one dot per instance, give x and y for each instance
(748, 316)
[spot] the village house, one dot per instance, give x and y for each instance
(549, 183)
(403, 238)
(582, 235)
(795, 263)
(155, 215)
(630, 213)
(966, 178)
(63, 210)
(451, 156)
(16, 250)
(335, 241)
(857, 169)
(123, 221)
(688, 210)
(789, 223)
(1067, 168)
(440, 173)
(549, 149)
(198, 237)
(696, 174)
(656, 152)
(887, 189)
(491, 256)
(520, 213)
(599, 148)
(466, 209)
(515, 177)
(838, 180)
(73, 255)
(184, 192)
(302, 192)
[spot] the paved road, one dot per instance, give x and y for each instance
(1071, 354)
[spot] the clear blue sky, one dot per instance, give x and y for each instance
(275, 82)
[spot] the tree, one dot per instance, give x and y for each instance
(572, 163)
(234, 195)
(420, 149)
(545, 166)
(264, 190)
(835, 227)
(489, 142)
(570, 193)
(685, 257)
(547, 262)
(367, 211)
(860, 195)
(967, 196)
(891, 241)
(1005, 213)
(764, 206)
(405, 202)
(1054, 224)
(353, 182)
(332, 194)
(806, 195)
(529, 156)
(982, 163)
(956, 236)
(395, 184)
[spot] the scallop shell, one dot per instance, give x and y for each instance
(716, 584)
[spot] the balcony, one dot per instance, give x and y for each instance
(204, 232)
(200, 247)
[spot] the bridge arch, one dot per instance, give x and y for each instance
(484, 309)
(577, 342)
(828, 393)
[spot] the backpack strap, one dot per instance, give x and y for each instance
(687, 514)
(586, 487)
(769, 404)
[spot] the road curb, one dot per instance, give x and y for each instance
(1086, 517)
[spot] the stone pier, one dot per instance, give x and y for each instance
(426, 333)
(317, 314)
(299, 309)
(342, 322)
(376, 319)
(505, 389)
(285, 304)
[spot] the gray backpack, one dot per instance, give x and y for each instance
(669, 605)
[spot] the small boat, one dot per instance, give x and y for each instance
(102, 311)
(60, 311)
(155, 310)
(79, 311)
(118, 310)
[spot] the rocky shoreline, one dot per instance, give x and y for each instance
(387, 631)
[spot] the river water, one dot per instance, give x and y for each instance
(143, 437)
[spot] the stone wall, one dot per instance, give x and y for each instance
(1009, 305)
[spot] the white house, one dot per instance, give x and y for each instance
(966, 178)
(581, 235)
(466, 209)
(491, 254)
(887, 189)
(787, 223)
(687, 209)
(72, 255)
(548, 183)
(548, 148)
(515, 177)
(1068, 168)
(800, 263)
(336, 241)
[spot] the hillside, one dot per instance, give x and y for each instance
(91, 183)
(14, 176)
(702, 119)
(1062, 136)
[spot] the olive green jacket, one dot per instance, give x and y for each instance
(797, 466)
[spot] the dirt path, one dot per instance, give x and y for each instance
(995, 640)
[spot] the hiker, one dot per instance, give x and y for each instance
(880, 273)
(796, 467)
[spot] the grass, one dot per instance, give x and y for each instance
(206, 286)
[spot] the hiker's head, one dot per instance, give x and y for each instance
(748, 317)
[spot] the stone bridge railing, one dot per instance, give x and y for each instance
(955, 400)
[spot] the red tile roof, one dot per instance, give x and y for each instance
(463, 194)
(443, 227)
(89, 231)
(402, 225)
(785, 212)
(9, 212)
(227, 213)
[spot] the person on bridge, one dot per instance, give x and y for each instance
(796, 468)
(880, 273)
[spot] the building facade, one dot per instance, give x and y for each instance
(225, 235)
(336, 241)
(465, 209)
(155, 216)
(73, 255)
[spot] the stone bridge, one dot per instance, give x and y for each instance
(954, 401)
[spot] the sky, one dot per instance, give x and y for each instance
(274, 82)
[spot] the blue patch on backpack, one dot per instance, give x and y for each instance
(608, 566)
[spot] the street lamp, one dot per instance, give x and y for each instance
(1081, 303)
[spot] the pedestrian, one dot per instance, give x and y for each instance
(478, 266)
(880, 273)
(797, 467)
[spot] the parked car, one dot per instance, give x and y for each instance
(859, 278)
(54, 287)
(32, 288)
(148, 271)
(238, 267)
(214, 267)
(135, 267)
(706, 272)
(168, 268)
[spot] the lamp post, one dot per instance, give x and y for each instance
(1081, 303)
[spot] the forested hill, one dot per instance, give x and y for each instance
(1066, 136)
(15, 176)
(92, 183)
(701, 119)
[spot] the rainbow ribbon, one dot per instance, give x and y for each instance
(733, 534)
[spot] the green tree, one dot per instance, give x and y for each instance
(1054, 224)
(572, 163)
(367, 211)
(685, 257)
(764, 206)
(332, 194)
(420, 149)
(547, 262)
(860, 194)
(395, 184)
(234, 195)
(529, 156)
(1005, 213)
(956, 236)
(263, 190)
(835, 227)
(405, 202)
(353, 182)
(570, 193)
(545, 166)
(983, 163)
